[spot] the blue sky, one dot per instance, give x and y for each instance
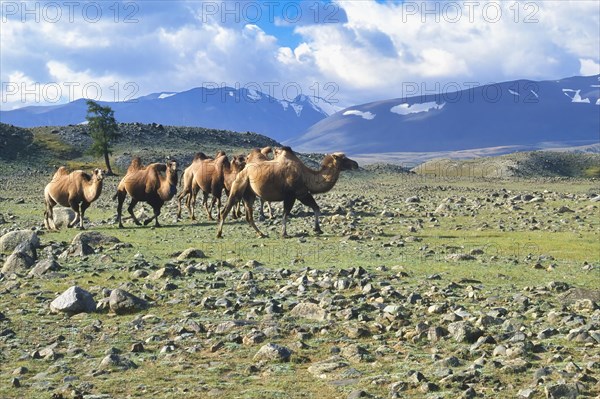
(350, 52)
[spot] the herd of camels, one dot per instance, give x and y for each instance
(243, 178)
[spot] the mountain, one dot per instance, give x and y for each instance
(224, 108)
(510, 115)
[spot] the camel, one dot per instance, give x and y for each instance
(286, 179)
(147, 184)
(190, 185)
(76, 190)
(259, 155)
(230, 172)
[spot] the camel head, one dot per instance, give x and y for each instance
(98, 174)
(172, 165)
(239, 161)
(285, 150)
(339, 160)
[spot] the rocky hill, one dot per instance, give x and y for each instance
(523, 164)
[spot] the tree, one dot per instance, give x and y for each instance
(103, 131)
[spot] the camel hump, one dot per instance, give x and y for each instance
(222, 162)
(62, 171)
(135, 165)
(200, 156)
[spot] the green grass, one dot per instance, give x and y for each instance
(52, 143)
(505, 269)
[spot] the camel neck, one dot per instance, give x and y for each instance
(92, 190)
(322, 180)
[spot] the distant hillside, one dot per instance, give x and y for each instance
(14, 141)
(523, 164)
(223, 108)
(523, 114)
(52, 144)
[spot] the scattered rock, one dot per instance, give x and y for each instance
(191, 253)
(74, 300)
(122, 302)
(10, 241)
(273, 353)
(43, 267)
(309, 310)
(116, 362)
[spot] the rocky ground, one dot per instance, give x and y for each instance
(419, 288)
(422, 286)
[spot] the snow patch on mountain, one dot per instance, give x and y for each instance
(514, 93)
(165, 95)
(407, 109)
(253, 95)
(534, 93)
(297, 108)
(576, 97)
(365, 115)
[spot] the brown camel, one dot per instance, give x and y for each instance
(285, 179)
(209, 178)
(230, 172)
(260, 155)
(76, 190)
(147, 184)
(190, 185)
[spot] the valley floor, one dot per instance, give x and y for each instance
(420, 287)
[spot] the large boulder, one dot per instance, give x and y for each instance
(10, 241)
(74, 300)
(22, 258)
(62, 216)
(86, 242)
(122, 302)
(17, 262)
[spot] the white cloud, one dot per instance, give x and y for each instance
(589, 67)
(371, 54)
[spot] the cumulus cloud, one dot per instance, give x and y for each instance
(361, 50)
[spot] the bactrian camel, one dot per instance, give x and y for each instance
(286, 179)
(260, 155)
(147, 184)
(76, 190)
(201, 170)
(230, 171)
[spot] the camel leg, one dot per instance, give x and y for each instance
(288, 204)
(249, 205)
(261, 211)
(191, 203)
(270, 209)
(130, 208)
(75, 206)
(309, 200)
(156, 209)
(180, 197)
(121, 199)
(238, 190)
(205, 204)
(49, 215)
(84, 205)
(230, 202)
